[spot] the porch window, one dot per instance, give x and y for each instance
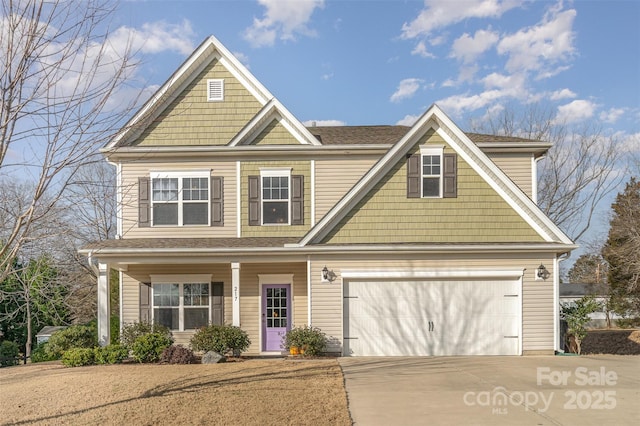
(181, 306)
(180, 199)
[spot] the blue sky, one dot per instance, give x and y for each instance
(384, 62)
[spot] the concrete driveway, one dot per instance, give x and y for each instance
(540, 390)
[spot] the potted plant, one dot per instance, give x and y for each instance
(308, 341)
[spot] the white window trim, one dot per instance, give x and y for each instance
(180, 175)
(433, 151)
(215, 98)
(180, 280)
(281, 172)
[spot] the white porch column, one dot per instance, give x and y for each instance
(235, 289)
(104, 331)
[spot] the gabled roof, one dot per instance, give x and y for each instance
(274, 110)
(209, 50)
(437, 120)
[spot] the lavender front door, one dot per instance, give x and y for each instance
(276, 315)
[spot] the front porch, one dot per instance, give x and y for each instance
(263, 298)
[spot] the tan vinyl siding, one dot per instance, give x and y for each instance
(518, 167)
(334, 177)
(250, 310)
(132, 171)
(537, 308)
(192, 120)
(478, 214)
(275, 134)
(251, 168)
(250, 297)
(141, 273)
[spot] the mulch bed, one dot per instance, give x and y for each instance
(616, 342)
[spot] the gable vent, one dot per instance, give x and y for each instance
(215, 90)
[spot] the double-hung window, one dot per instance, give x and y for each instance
(431, 172)
(183, 304)
(276, 196)
(180, 198)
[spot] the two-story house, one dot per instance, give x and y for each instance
(393, 240)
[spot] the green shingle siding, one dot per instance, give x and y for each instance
(275, 134)
(477, 215)
(192, 120)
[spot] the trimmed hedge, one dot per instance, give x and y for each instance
(221, 339)
(78, 357)
(149, 347)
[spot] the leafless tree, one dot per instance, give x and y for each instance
(60, 80)
(581, 169)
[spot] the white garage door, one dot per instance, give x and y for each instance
(399, 318)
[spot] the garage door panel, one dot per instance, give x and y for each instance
(431, 317)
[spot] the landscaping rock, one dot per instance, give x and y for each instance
(213, 358)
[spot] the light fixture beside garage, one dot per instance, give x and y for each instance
(542, 273)
(327, 275)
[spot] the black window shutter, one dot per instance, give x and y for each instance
(254, 200)
(145, 302)
(217, 303)
(297, 200)
(413, 176)
(217, 201)
(144, 203)
(450, 175)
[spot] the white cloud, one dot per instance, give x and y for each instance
(541, 46)
(441, 13)
(575, 111)
(283, 19)
(320, 123)
(244, 59)
(421, 50)
(562, 94)
(408, 120)
(467, 48)
(155, 37)
(511, 85)
(458, 104)
(406, 89)
(612, 115)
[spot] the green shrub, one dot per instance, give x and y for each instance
(310, 340)
(110, 354)
(40, 354)
(130, 332)
(177, 355)
(149, 347)
(76, 336)
(628, 322)
(78, 357)
(9, 353)
(221, 339)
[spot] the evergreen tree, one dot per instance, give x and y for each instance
(622, 251)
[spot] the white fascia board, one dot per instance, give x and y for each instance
(274, 110)
(339, 210)
(514, 191)
(461, 273)
(199, 60)
(297, 249)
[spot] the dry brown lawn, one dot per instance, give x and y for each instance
(250, 392)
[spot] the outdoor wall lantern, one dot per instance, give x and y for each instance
(542, 272)
(327, 275)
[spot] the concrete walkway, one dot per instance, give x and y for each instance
(544, 390)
